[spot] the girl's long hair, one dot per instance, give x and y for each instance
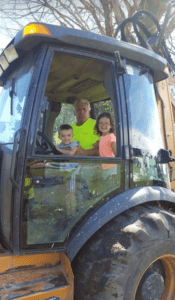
(104, 115)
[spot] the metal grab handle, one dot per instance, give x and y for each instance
(13, 161)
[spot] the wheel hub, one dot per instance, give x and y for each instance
(158, 281)
(152, 287)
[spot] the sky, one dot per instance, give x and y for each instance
(4, 40)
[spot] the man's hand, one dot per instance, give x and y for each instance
(96, 148)
(92, 152)
(81, 152)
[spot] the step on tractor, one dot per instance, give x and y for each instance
(86, 226)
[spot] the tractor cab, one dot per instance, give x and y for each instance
(46, 196)
(49, 72)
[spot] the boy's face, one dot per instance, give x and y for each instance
(66, 136)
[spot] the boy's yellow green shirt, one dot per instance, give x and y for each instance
(85, 134)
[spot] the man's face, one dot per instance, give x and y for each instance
(66, 136)
(82, 113)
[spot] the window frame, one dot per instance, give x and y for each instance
(140, 153)
(120, 125)
(117, 102)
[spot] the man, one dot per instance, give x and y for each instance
(83, 130)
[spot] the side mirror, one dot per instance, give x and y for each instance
(163, 156)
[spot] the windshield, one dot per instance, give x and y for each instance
(12, 101)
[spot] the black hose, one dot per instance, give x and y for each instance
(135, 20)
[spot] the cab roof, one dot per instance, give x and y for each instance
(35, 33)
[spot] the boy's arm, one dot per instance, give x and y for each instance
(67, 152)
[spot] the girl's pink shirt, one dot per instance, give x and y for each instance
(105, 145)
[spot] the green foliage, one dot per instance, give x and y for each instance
(66, 116)
(103, 106)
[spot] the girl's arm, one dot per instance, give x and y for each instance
(67, 152)
(113, 146)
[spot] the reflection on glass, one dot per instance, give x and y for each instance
(12, 102)
(145, 132)
(144, 129)
(172, 91)
(145, 170)
(63, 194)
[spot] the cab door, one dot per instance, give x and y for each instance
(61, 191)
(16, 103)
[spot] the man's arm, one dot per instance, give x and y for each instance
(91, 152)
(67, 152)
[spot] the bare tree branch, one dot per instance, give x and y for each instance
(107, 17)
(91, 9)
(86, 26)
(75, 16)
(101, 16)
(128, 6)
(96, 7)
(116, 8)
(136, 6)
(142, 4)
(170, 27)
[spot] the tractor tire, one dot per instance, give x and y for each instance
(132, 257)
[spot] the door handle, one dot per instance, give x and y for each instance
(13, 161)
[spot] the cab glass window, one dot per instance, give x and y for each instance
(12, 103)
(58, 196)
(144, 124)
(144, 129)
(71, 79)
(62, 190)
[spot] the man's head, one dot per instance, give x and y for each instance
(65, 133)
(82, 110)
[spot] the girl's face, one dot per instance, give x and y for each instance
(104, 125)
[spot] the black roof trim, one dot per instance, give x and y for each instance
(95, 42)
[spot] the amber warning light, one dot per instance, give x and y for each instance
(35, 29)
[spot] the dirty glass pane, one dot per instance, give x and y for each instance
(144, 124)
(144, 129)
(172, 92)
(146, 171)
(58, 195)
(12, 102)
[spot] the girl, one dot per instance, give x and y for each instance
(105, 128)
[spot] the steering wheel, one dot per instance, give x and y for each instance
(43, 147)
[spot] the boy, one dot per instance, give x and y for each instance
(69, 148)
(66, 134)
